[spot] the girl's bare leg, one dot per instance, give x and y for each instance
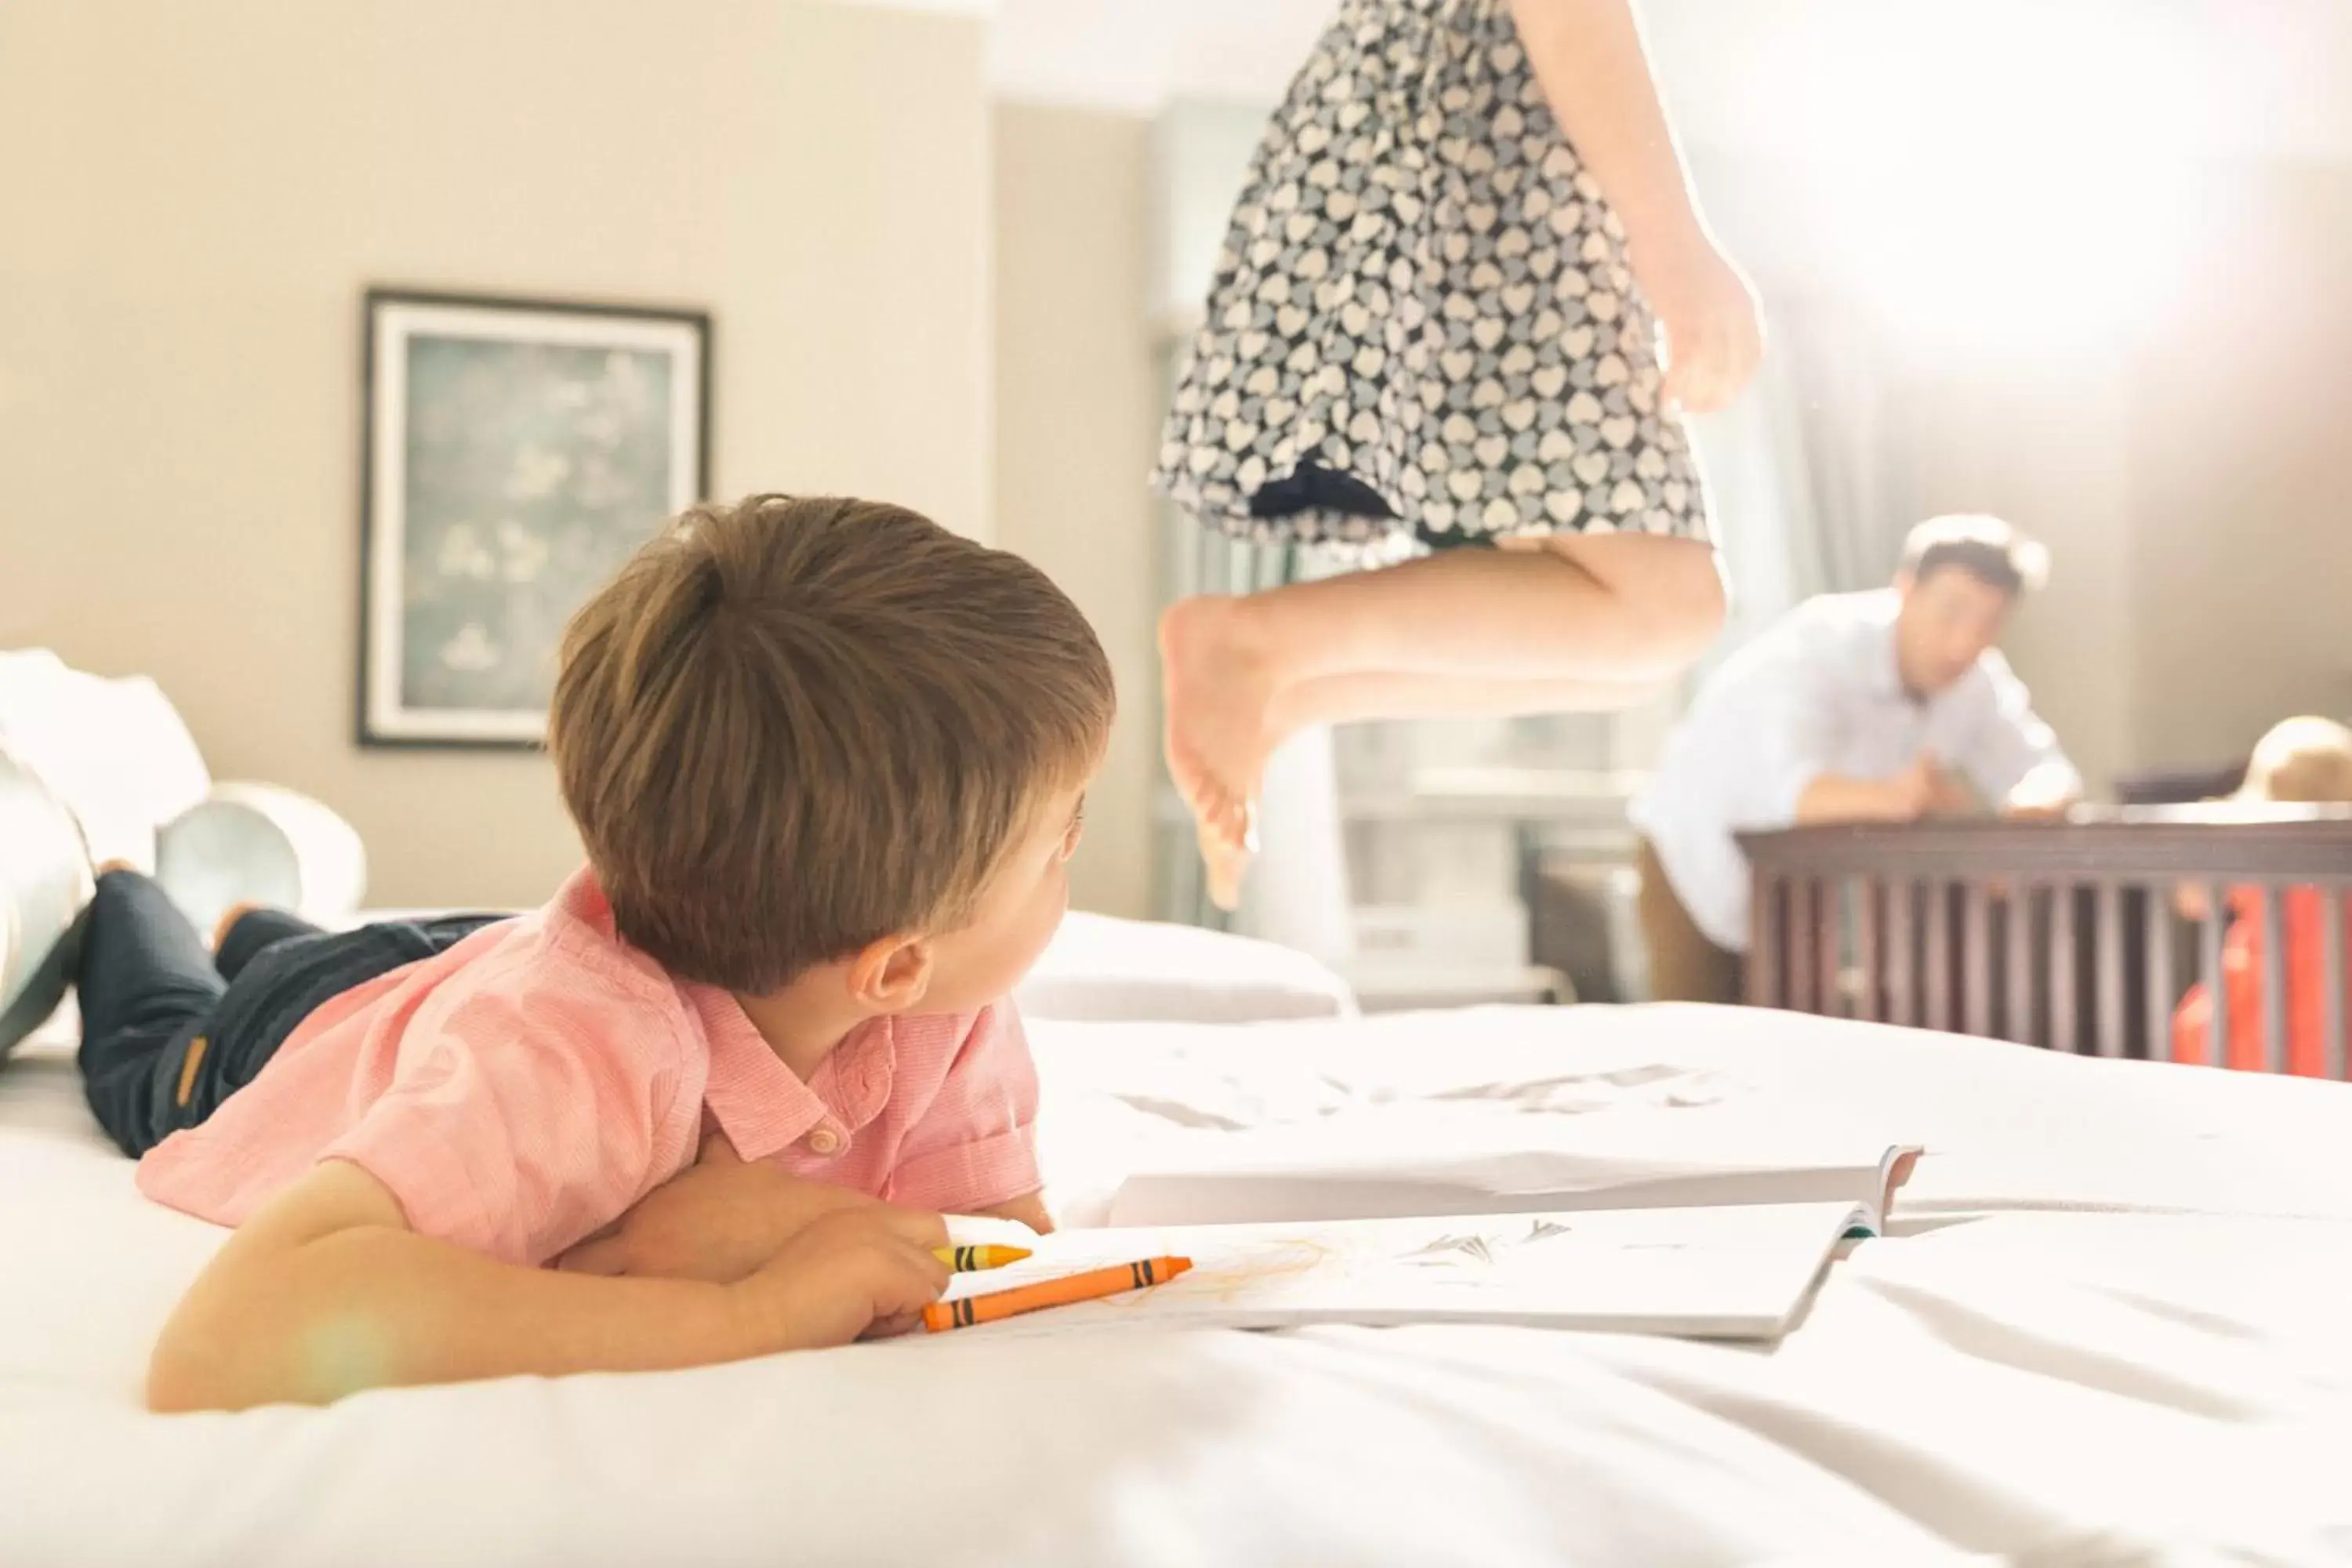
(1571, 622)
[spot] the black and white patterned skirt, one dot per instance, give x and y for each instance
(1423, 331)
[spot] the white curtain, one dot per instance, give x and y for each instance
(1816, 471)
(1298, 892)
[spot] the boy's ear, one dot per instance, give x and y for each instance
(891, 975)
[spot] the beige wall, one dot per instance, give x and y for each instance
(191, 199)
(1075, 425)
(2241, 442)
(2045, 447)
(2193, 488)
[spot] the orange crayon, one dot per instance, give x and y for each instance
(1093, 1284)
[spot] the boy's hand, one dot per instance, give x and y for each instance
(860, 1273)
(718, 1220)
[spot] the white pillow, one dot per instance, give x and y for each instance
(1100, 968)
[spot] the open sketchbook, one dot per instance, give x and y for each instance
(1715, 1273)
(1418, 1158)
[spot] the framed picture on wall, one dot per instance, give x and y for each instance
(515, 453)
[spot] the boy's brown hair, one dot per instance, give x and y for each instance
(791, 726)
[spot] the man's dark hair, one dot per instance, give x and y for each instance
(1986, 548)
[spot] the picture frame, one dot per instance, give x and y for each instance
(514, 453)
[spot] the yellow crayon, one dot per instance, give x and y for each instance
(970, 1259)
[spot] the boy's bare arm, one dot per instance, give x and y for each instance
(718, 1219)
(721, 1217)
(328, 1292)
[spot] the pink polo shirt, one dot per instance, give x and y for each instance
(518, 1091)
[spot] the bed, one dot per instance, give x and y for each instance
(2108, 1327)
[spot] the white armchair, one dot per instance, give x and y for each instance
(95, 769)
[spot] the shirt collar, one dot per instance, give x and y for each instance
(581, 900)
(761, 1105)
(1882, 667)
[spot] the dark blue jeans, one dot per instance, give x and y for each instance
(169, 1031)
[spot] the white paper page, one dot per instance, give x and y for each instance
(988, 1230)
(1469, 1155)
(1731, 1273)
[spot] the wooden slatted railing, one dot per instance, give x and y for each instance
(2070, 934)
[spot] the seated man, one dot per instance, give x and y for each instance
(1877, 707)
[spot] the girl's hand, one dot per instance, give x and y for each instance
(1707, 315)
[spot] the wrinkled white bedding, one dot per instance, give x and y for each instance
(2112, 1329)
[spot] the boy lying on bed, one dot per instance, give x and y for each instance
(828, 761)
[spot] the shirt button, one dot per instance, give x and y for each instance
(825, 1141)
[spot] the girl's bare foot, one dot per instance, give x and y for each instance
(1217, 692)
(1228, 841)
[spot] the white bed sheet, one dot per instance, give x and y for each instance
(2113, 1332)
